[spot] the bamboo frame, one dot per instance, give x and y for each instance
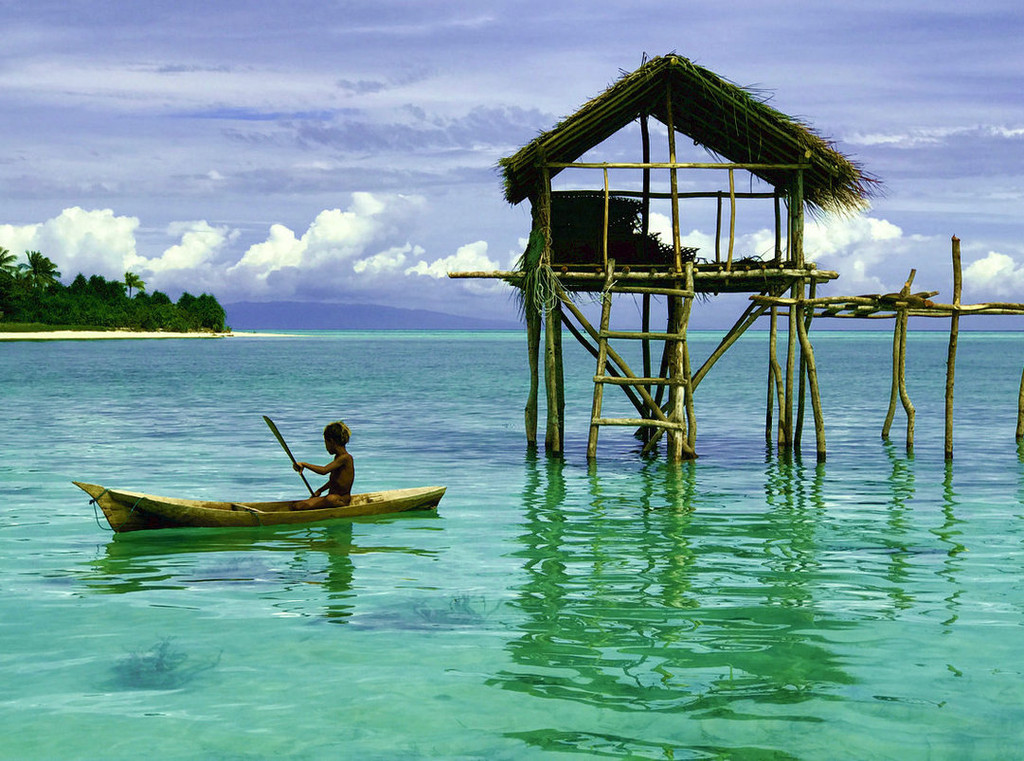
(614, 356)
(719, 194)
(749, 316)
(671, 164)
(612, 375)
(828, 182)
(703, 274)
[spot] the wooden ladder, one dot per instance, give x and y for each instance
(679, 375)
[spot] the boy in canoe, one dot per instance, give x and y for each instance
(340, 471)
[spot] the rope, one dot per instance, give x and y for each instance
(95, 501)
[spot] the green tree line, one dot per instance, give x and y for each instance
(31, 292)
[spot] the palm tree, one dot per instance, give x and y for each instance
(39, 271)
(7, 265)
(131, 280)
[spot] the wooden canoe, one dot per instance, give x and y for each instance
(135, 511)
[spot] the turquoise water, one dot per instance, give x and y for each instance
(738, 607)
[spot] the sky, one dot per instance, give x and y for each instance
(346, 151)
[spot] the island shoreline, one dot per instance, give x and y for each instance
(91, 335)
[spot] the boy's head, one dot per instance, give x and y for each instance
(337, 433)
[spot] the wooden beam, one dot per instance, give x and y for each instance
(670, 165)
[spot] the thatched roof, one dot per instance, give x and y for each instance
(725, 119)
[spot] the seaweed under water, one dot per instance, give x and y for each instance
(161, 667)
(461, 610)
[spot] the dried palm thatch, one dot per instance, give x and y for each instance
(727, 120)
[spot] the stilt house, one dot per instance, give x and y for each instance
(592, 233)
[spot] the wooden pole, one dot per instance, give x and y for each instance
(894, 385)
(769, 406)
(645, 227)
(898, 387)
(801, 391)
(559, 371)
(718, 232)
(604, 237)
(732, 219)
(805, 371)
(903, 319)
(749, 316)
(552, 435)
(807, 359)
(602, 358)
(533, 352)
(676, 395)
(610, 370)
(778, 229)
(954, 330)
(684, 328)
(797, 292)
(616, 358)
(674, 181)
(776, 368)
(798, 220)
(1020, 410)
(796, 215)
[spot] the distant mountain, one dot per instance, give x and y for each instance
(293, 315)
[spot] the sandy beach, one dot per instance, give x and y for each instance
(86, 335)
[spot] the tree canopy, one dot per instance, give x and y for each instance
(32, 292)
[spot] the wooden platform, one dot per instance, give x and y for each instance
(707, 278)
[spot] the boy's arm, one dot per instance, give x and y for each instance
(325, 470)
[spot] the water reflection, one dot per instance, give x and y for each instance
(262, 561)
(634, 601)
(949, 533)
(897, 537)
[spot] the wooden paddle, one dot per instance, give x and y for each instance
(284, 446)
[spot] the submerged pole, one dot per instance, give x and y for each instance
(645, 229)
(901, 378)
(775, 370)
(1020, 409)
(552, 323)
(533, 354)
(553, 432)
(898, 389)
(807, 360)
(954, 330)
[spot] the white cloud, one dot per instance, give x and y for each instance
(997, 274)
(336, 242)
(469, 258)
(200, 242)
(867, 252)
(935, 136)
(280, 249)
(386, 261)
(92, 242)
